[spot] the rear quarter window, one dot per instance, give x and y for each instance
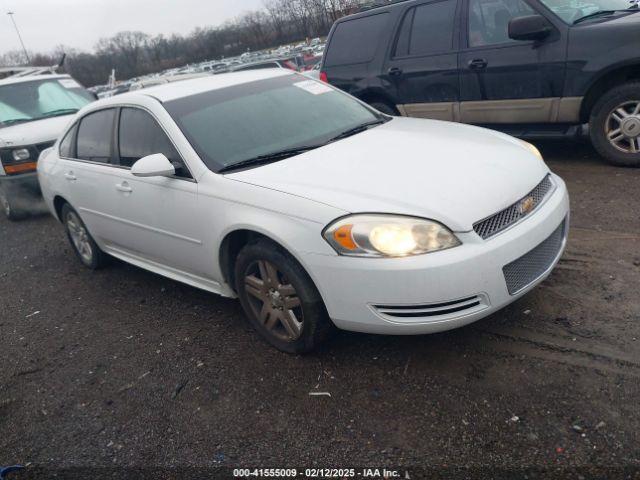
(356, 41)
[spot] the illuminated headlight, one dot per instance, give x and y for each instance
(388, 236)
(21, 154)
(532, 149)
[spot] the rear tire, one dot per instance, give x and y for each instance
(10, 210)
(280, 299)
(81, 241)
(614, 125)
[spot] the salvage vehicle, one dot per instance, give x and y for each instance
(34, 109)
(311, 207)
(531, 68)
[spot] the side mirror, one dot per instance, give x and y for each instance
(156, 165)
(531, 27)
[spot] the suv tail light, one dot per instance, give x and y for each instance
(323, 77)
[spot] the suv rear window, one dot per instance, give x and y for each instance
(356, 41)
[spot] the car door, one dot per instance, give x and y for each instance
(87, 165)
(505, 80)
(423, 64)
(158, 217)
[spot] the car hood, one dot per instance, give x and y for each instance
(35, 132)
(452, 173)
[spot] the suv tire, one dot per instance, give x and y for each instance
(614, 125)
(81, 241)
(280, 299)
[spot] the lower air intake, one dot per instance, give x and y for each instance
(522, 272)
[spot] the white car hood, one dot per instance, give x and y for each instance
(31, 133)
(452, 173)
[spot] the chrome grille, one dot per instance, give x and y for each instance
(496, 223)
(458, 307)
(522, 272)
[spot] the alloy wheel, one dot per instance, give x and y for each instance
(274, 301)
(79, 237)
(622, 127)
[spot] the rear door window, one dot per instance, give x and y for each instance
(427, 29)
(356, 41)
(94, 136)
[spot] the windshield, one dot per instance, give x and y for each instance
(34, 100)
(233, 125)
(572, 10)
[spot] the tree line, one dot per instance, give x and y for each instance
(133, 54)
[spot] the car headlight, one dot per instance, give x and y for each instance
(21, 154)
(388, 236)
(532, 148)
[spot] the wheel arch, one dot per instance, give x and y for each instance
(372, 95)
(236, 238)
(613, 77)
(58, 203)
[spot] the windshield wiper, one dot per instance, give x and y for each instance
(60, 112)
(356, 130)
(599, 13)
(13, 121)
(268, 158)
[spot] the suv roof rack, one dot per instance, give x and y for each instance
(12, 72)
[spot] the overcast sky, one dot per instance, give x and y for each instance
(44, 24)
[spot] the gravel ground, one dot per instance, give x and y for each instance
(123, 368)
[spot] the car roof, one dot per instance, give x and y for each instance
(186, 88)
(31, 78)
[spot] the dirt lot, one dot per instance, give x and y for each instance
(123, 368)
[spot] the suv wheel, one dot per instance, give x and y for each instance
(615, 125)
(280, 299)
(83, 244)
(9, 209)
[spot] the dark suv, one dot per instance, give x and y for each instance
(532, 68)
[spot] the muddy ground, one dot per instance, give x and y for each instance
(123, 368)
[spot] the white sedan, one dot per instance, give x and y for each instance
(309, 206)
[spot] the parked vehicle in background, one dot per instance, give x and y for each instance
(161, 80)
(532, 68)
(117, 90)
(34, 109)
(327, 213)
(291, 63)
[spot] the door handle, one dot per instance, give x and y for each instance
(124, 187)
(395, 72)
(70, 176)
(478, 64)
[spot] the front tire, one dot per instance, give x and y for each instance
(615, 125)
(280, 299)
(81, 241)
(10, 210)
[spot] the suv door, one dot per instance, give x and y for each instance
(423, 68)
(158, 218)
(505, 80)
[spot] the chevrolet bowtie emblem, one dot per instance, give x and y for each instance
(526, 205)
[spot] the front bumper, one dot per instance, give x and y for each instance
(451, 288)
(25, 184)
